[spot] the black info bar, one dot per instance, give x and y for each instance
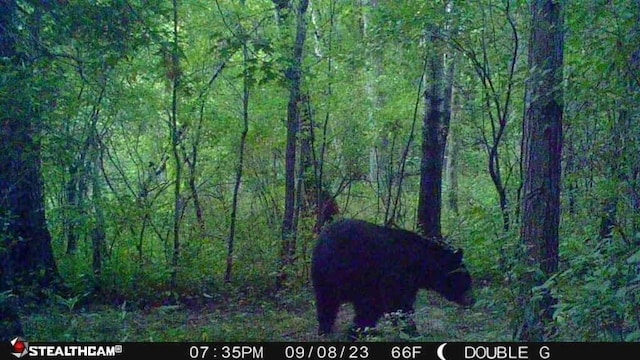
(19, 348)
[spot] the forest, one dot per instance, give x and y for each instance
(166, 166)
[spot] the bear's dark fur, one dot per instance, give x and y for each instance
(380, 270)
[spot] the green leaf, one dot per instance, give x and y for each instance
(634, 336)
(634, 259)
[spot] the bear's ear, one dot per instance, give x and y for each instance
(458, 255)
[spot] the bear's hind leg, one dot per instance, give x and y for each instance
(367, 313)
(327, 309)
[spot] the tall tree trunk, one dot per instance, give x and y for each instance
(497, 102)
(430, 196)
(307, 171)
(449, 62)
(293, 75)
(176, 137)
(569, 168)
(191, 160)
(314, 201)
(26, 258)
(380, 158)
(98, 232)
(76, 186)
(542, 169)
(243, 139)
(633, 87)
(449, 149)
(452, 172)
(328, 206)
(72, 196)
(94, 148)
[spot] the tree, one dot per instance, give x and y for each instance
(175, 132)
(452, 153)
(430, 197)
(325, 204)
(542, 148)
(26, 256)
(293, 76)
(622, 166)
(495, 61)
(246, 86)
(381, 167)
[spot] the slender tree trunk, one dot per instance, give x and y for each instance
(26, 258)
(240, 166)
(569, 169)
(380, 160)
(176, 136)
(430, 196)
(76, 187)
(449, 61)
(633, 87)
(192, 162)
(407, 148)
(313, 200)
(497, 102)
(293, 75)
(329, 206)
(94, 149)
(615, 177)
(98, 232)
(452, 172)
(449, 161)
(542, 170)
(191, 159)
(307, 170)
(72, 196)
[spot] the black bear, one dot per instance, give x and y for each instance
(380, 270)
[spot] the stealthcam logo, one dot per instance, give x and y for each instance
(19, 346)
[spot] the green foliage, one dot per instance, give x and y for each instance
(95, 79)
(239, 313)
(599, 292)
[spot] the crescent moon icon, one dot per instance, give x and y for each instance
(440, 351)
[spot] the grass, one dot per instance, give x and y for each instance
(282, 317)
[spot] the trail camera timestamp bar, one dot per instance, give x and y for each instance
(413, 351)
(21, 348)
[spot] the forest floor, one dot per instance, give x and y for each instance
(289, 317)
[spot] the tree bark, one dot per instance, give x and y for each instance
(72, 196)
(449, 147)
(452, 172)
(431, 164)
(98, 232)
(307, 171)
(240, 166)
(26, 258)
(542, 169)
(191, 160)
(176, 136)
(293, 76)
